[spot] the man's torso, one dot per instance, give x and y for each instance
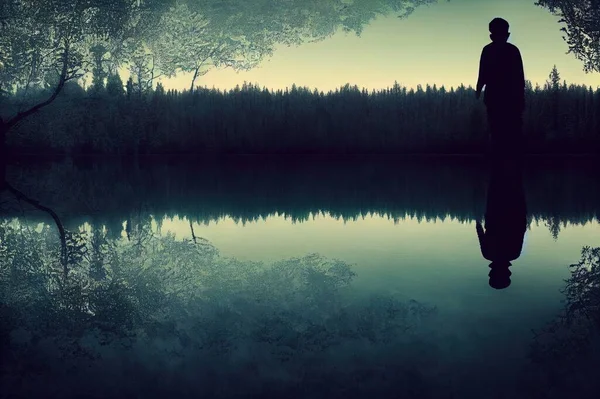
(504, 78)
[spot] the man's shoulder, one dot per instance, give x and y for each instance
(513, 48)
(500, 47)
(487, 50)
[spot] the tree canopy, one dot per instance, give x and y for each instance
(581, 19)
(196, 35)
(44, 43)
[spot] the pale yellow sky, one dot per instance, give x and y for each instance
(438, 44)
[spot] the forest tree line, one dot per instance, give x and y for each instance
(50, 45)
(246, 189)
(116, 118)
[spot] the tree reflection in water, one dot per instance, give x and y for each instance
(149, 314)
(566, 352)
(142, 313)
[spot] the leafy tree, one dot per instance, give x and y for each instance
(197, 35)
(130, 296)
(554, 79)
(160, 90)
(72, 36)
(99, 74)
(553, 86)
(142, 69)
(114, 85)
(558, 118)
(582, 28)
(129, 87)
(565, 350)
(44, 36)
(189, 42)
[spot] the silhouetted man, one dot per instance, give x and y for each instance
(505, 221)
(501, 72)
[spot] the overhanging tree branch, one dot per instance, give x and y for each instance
(63, 78)
(582, 28)
(61, 230)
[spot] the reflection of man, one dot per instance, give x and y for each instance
(501, 72)
(505, 222)
(2, 174)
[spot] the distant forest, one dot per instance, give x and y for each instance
(250, 188)
(125, 119)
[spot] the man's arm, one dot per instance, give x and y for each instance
(481, 80)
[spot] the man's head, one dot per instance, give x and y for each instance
(499, 30)
(499, 275)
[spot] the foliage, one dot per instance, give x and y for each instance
(582, 28)
(36, 35)
(582, 291)
(181, 308)
(558, 118)
(114, 86)
(565, 352)
(99, 74)
(155, 38)
(554, 79)
(198, 35)
(189, 42)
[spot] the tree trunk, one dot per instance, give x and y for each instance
(61, 229)
(5, 126)
(193, 235)
(194, 79)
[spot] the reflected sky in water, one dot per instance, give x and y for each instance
(438, 262)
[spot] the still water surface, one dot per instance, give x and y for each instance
(307, 279)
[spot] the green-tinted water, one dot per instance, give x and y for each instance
(311, 278)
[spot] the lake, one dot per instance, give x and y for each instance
(305, 277)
